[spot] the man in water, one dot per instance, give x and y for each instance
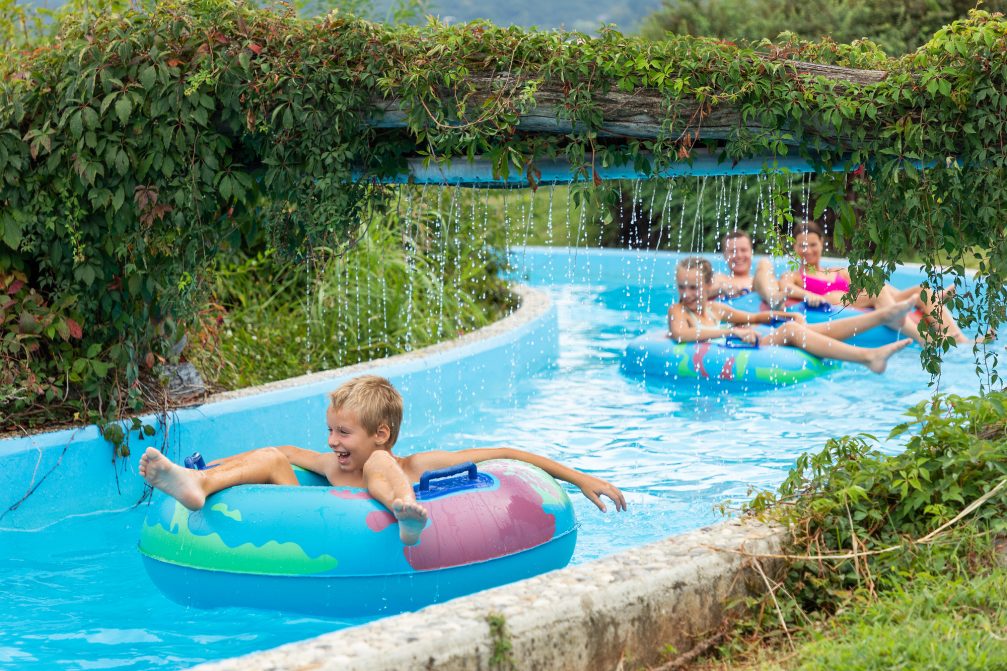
(737, 249)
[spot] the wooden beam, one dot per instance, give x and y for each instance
(640, 114)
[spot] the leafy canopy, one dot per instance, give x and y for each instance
(897, 27)
(138, 146)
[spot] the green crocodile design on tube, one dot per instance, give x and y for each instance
(178, 545)
(812, 368)
(224, 510)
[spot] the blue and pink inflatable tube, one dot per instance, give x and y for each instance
(335, 551)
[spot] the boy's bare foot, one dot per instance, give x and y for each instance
(412, 519)
(878, 359)
(179, 483)
(897, 314)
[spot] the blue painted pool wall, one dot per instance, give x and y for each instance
(84, 479)
(482, 171)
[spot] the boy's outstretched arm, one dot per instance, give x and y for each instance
(593, 488)
(317, 462)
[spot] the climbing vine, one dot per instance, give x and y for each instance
(137, 147)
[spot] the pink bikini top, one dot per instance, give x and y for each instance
(817, 285)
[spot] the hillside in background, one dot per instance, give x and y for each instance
(567, 14)
(897, 26)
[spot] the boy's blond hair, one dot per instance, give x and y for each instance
(374, 401)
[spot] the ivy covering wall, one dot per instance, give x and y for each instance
(136, 148)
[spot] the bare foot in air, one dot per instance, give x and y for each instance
(179, 483)
(989, 336)
(412, 519)
(879, 356)
(898, 313)
(961, 339)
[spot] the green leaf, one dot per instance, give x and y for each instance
(12, 233)
(118, 198)
(109, 99)
(85, 274)
(76, 125)
(122, 162)
(123, 108)
(225, 188)
(148, 77)
(90, 117)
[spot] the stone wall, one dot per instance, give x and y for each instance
(617, 613)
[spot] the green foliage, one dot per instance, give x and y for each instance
(931, 624)
(897, 514)
(501, 655)
(418, 276)
(896, 27)
(139, 146)
(31, 328)
(24, 26)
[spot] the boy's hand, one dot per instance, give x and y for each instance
(593, 488)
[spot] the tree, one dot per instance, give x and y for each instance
(897, 27)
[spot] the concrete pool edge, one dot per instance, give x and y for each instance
(616, 611)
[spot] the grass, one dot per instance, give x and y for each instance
(931, 623)
(409, 282)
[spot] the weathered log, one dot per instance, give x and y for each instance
(640, 114)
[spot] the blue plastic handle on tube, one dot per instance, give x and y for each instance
(447, 473)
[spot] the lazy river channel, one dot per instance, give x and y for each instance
(74, 594)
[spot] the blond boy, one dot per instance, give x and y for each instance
(363, 421)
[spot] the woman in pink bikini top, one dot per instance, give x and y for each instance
(813, 285)
(823, 287)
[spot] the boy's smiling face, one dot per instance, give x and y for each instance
(350, 441)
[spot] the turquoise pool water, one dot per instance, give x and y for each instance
(74, 595)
